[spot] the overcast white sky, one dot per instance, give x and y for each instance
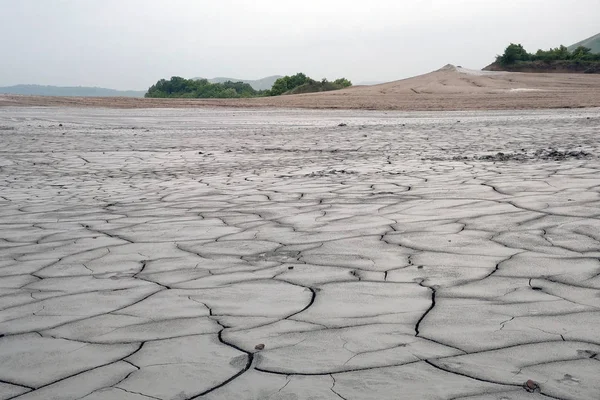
(130, 44)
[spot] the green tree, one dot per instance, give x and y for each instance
(581, 52)
(343, 82)
(287, 83)
(512, 54)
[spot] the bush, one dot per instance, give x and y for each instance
(343, 82)
(300, 83)
(288, 83)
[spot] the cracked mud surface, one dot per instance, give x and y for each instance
(146, 254)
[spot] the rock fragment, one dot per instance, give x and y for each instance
(531, 386)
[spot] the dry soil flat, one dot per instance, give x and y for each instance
(449, 88)
(255, 254)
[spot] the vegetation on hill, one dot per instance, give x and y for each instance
(516, 53)
(287, 83)
(591, 43)
(322, 86)
(258, 84)
(560, 59)
(202, 88)
(300, 83)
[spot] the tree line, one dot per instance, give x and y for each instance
(516, 53)
(301, 83)
(201, 88)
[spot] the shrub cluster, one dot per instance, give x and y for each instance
(515, 53)
(300, 83)
(203, 89)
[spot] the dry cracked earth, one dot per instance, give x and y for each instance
(219, 254)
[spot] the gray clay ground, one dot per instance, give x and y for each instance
(145, 254)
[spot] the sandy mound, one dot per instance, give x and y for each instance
(458, 80)
(449, 88)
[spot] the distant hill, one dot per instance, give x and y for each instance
(592, 43)
(75, 91)
(370, 83)
(258, 84)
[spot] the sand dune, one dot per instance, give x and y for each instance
(449, 88)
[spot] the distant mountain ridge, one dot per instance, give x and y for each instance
(591, 42)
(257, 84)
(74, 91)
(370, 83)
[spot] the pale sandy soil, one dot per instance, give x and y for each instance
(449, 88)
